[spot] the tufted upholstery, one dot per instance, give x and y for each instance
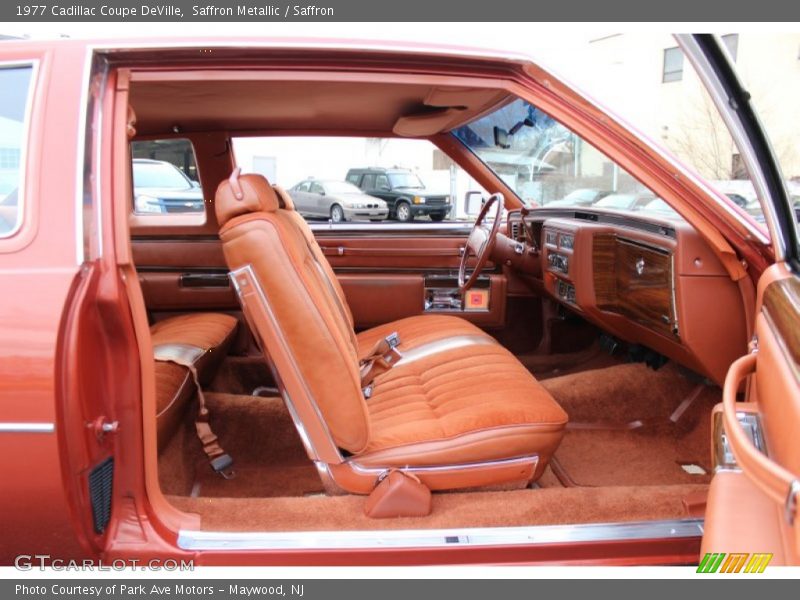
(203, 330)
(449, 395)
(455, 399)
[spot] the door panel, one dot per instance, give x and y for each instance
(378, 298)
(174, 290)
(763, 482)
(394, 252)
(382, 272)
(183, 274)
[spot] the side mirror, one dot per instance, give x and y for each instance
(473, 203)
(385, 188)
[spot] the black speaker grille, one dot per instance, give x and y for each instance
(101, 480)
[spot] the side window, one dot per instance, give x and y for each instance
(15, 84)
(364, 180)
(382, 182)
(165, 178)
(316, 189)
(369, 182)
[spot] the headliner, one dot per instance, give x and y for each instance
(252, 105)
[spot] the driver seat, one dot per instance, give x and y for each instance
(457, 410)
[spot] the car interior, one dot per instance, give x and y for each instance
(531, 366)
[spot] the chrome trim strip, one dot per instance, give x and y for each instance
(532, 459)
(80, 160)
(464, 227)
(27, 427)
(439, 346)
(27, 122)
(319, 44)
(440, 538)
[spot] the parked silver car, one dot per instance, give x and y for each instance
(336, 200)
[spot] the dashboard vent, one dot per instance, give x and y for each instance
(515, 230)
(629, 222)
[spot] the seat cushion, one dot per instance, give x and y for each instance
(470, 403)
(210, 332)
(203, 330)
(417, 331)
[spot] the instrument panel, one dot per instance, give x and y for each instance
(653, 282)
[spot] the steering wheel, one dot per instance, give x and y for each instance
(480, 242)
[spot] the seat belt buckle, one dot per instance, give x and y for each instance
(392, 355)
(222, 464)
(392, 340)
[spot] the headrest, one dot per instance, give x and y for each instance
(283, 197)
(242, 194)
(131, 124)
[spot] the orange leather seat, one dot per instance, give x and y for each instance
(469, 404)
(457, 409)
(208, 336)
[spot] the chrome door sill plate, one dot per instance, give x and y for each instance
(441, 538)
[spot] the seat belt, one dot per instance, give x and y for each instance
(383, 356)
(186, 355)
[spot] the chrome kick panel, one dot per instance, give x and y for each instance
(441, 295)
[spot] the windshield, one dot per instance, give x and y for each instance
(405, 180)
(341, 187)
(159, 175)
(544, 162)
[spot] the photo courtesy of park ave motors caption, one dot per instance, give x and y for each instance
(275, 302)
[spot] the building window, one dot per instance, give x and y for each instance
(731, 42)
(738, 170)
(673, 65)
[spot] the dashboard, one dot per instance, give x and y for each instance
(651, 281)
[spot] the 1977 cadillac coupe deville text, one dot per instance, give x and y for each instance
(224, 382)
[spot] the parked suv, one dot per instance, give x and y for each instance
(403, 191)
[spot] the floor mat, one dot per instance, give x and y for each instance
(597, 449)
(450, 510)
(269, 459)
(558, 365)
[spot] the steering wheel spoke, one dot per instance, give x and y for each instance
(480, 242)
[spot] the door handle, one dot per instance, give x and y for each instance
(204, 280)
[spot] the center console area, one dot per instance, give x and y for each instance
(558, 250)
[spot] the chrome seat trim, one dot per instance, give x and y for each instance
(439, 346)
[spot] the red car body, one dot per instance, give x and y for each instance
(62, 410)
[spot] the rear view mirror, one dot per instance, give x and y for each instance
(501, 138)
(473, 203)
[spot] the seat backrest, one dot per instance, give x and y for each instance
(307, 309)
(287, 204)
